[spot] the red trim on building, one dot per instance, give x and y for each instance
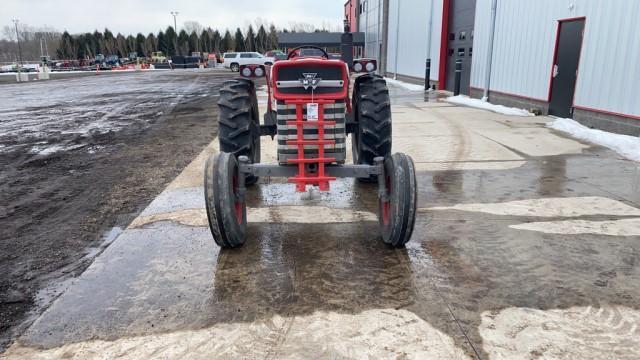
(351, 14)
(510, 94)
(635, 117)
(442, 71)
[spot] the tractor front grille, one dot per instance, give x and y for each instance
(332, 112)
(295, 73)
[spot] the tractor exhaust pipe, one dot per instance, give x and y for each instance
(346, 44)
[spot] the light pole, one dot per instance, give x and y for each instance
(175, 28)
(15, 22)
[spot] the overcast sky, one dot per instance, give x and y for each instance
(133, 16)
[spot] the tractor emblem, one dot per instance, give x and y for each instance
(310, 80)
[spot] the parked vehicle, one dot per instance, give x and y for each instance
(112, 60)
(158, 57)
(234, 60)
(276, 55)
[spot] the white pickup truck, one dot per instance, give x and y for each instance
(233, 60)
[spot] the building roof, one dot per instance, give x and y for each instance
(322, 39)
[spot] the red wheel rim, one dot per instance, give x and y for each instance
(386, 205)
(237, 204)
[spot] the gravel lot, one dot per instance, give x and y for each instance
(79, 159)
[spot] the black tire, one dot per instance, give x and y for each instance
(239, 122)
(397, 215)
(226, 214)
(234, 67)
(372, 110)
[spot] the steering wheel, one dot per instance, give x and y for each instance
(292, 52)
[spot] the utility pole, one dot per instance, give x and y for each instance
(15, 22)
(175, 28)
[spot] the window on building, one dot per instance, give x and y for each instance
(450, 52)
(452, 36)
(463, 35)
(470, 51)
(461, 52)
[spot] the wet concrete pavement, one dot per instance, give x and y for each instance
(527, 244)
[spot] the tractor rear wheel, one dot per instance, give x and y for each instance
(397, 211)
(372, 110)
(226, 209)
(239, 121)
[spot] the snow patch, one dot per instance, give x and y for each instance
(625, 145)
(551, 207)
(48, 150)
(371, 334)
(578, 332)
(624, 227)
(405, 85)
(479, 104)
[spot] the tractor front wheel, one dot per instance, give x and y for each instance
(397, 209)
(226, 208)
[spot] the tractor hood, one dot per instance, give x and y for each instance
(302, 78)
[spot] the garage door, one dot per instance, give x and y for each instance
(460, 41)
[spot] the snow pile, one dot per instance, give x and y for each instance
(627, 146)
(405, 85)
(477, 103)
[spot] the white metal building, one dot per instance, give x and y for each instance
(370, 23)
(570, 58)
(533, 49)
(410, 24)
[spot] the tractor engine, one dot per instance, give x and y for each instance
(299, 82)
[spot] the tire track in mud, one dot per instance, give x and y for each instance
(460, 149)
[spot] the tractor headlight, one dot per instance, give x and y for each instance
(370, 66)
(357, 67)
(258, 72)
(246, 72)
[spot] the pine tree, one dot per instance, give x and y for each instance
(151, 44)
(273, 37)
(239, 41)
(109, 43)
(172, 40)
(99, 43)
(261, 40)
(250, 42)
(216, 41)
(227, 42)
(121, 45)
(162, 43)
(205, 41)
(141, 47)
(183, 43)
(194, 44)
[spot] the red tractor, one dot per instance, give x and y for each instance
(313, 115)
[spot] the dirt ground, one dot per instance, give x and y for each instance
(80, 165)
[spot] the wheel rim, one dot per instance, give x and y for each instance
(237, 204)
(386, 205)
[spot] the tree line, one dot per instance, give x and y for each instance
(88, 45)
(192, 37)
